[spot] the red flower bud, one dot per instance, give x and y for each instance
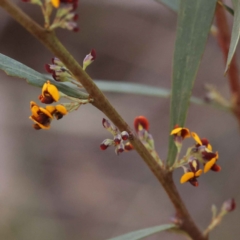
(124, 135)
(141, 120)
(229, 205)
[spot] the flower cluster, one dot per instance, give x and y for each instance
(65, 16)
(201, 152)
(61, 74)
(141, 126)
(118, 138)
(42, 117)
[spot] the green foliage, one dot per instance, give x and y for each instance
(194, 22)
(235, 33)
(140, 234)
(172, 4)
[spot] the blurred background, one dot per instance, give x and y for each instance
(58, 184)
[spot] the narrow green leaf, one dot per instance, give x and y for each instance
(194, 22)
(172, 4)
(235, 32)
(140, 234)
(16, 69)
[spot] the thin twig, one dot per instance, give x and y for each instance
(50, 40)
(224, 38)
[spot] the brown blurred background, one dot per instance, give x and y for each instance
(57, 184)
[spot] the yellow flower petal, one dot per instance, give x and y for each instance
(140, 127)
(44, 88)
(35, 110)
(50, 108)
(186, 177)
(61, 109)
(196, 138)
(209, 146)
(55, 3)
(54, 93)
(209, 165)
(198, 173)
(176, 131)
(39, 124)
(46, 112)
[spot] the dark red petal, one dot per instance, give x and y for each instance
(192, 165)
(229, 205)
(205, 142)
(128, 147)
(75, 18)
(194, 182)
(93, 54)
(46, 100)
(208, 155)
(103, 146)
(125, 135)
(55, 77)
(117, 139)
(36, 126)
(76, 29)
(216, 168)
(48, 69)
(141, 120)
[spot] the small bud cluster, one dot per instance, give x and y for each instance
(59, 72)
(65, 16)
(118, 138)
(62, 74)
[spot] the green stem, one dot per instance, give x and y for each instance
(50, 40)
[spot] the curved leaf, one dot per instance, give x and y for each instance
(140, 234)
(17, 69)
(235, 32)
(194, 22)
(172, 4)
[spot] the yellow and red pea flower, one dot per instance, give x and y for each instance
(207, 154)
(40, 116)
(180, 132)
(57, 111)
(49, 94)
(192, 173)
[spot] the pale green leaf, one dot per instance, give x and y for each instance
(140, 234)
(17, 69)
(235, 32)
(194, 23)
(172, 4)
